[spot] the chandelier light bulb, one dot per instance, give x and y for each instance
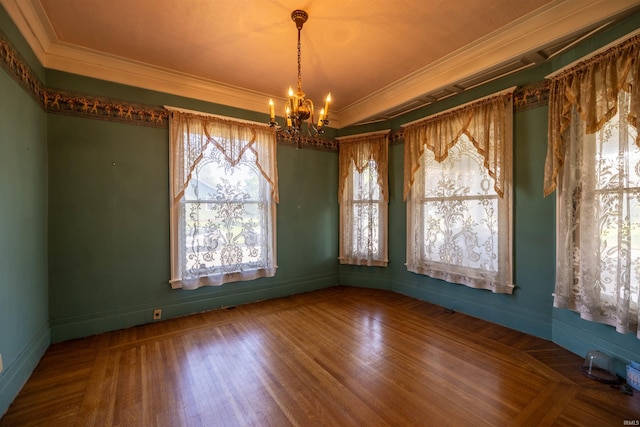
(272, 112)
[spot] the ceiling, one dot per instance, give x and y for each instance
(378, 58)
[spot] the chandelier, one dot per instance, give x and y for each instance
(299, 110)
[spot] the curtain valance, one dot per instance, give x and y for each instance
(592, 86)
(190, 134)
(487, 123)
(360, 150)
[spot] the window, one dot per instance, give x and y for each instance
(367, 206)
(594, 158)
(458, 196)
(363, 200)
(223, 217)
(227, 213)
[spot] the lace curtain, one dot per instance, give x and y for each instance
(487, 123)
(458, 188)
(363, 195)
(593, 158)
(592, 87)
(190, 135)
(224, 186)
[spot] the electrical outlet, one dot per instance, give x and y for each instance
(1, 368)
(157, 314)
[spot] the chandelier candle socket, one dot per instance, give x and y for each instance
(298, 109)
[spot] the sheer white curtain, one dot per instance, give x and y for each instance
(593, 160)
(364, 197)
(224, 187)
(458, 191)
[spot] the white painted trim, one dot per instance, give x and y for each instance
(556, 20)
(578, 40)
(116, 69)
(28, 16)
(559, 19)
(458, 107)
(594, 53)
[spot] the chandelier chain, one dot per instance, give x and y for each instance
(299, 66)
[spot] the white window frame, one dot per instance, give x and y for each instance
(431, 141)
(369, 151)
(191, 135)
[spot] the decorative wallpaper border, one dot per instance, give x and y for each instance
(18, 69)
(318, 143)
(61, 101)
(531, 96)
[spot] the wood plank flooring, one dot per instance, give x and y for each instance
(334, 357)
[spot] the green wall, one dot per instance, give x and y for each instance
(24, 315)
(568, 330)
(530, 308)
(84, 226)
(109, 229)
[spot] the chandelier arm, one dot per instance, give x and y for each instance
(311, 130)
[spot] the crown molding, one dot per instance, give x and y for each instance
(29, 17)
(33, 24)
(557, 20)
(88, 106)
(87, 62)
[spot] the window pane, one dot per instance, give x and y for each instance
(366, 232)
(460, 208)
(458, 228)
(618, 203)
(225, 226)
(365, 183)
(363, 218)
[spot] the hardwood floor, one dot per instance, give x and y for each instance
(335, 357)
